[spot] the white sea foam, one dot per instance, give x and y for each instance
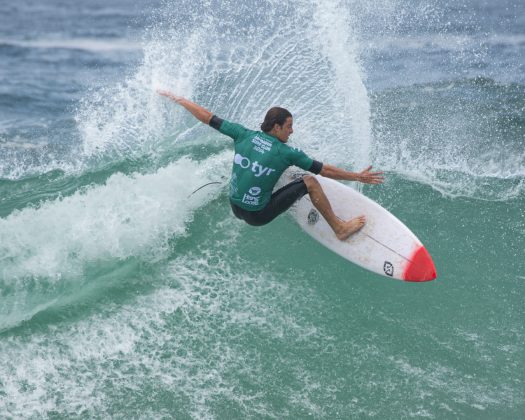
(130, 118)
(339, 43)
(238, 75)
(191, 337)
(460, 179)
(128, 216)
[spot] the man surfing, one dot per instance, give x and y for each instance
(260, 159)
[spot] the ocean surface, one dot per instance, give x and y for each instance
(123, 295)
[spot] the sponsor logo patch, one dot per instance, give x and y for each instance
(250, 200)
(255, 167)
(261, 145)
(255, 191)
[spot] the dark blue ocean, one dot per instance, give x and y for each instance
(123, 295)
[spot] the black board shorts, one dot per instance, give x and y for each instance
(281, 200)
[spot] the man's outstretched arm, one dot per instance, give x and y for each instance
(202, 114)
(365, 176)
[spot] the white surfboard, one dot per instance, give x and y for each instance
(384, 245)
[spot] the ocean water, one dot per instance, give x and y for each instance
(124, 295)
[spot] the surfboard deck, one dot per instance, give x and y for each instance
(384, 245)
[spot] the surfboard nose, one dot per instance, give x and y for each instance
(421, 267)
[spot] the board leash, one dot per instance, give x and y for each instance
(205, 185)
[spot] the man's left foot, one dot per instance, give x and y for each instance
(350, 227)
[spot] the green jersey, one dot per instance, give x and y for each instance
(259, 161)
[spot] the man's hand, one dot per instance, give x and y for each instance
(170, 95)
(202, 114)
(367, 177)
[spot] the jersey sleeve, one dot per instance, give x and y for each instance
(302, 160)
(227, 128)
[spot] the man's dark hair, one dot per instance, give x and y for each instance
(275, 115)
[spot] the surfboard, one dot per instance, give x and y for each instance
(384, 245)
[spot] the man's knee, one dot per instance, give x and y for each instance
(311, 182)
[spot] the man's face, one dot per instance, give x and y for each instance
(284, 131)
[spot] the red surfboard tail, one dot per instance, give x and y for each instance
(421, 267)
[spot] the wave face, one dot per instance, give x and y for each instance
(126, 290)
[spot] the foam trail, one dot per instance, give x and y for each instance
(45, 250)
(295, 58)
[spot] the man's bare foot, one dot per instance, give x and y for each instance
(350, 227)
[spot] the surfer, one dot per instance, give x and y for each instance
(260, 159)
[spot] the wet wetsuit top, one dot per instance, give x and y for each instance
(259, 161)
